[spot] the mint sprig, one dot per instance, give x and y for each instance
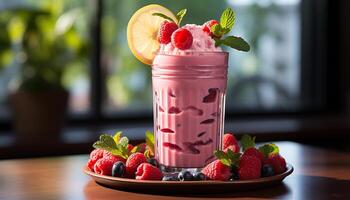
(247, 142)
(108, 143)
(237, 43)
(227, 21)
(268, 149)
(179, 16)
(229, 158)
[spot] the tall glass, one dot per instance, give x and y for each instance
(189, 108)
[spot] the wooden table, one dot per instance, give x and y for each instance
(319, 174)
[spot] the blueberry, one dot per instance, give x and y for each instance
(185, 176)
(153, 162)
(170, 178)
(199, 176)
(267, 170)
(118, 169)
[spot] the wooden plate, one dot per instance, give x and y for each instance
(186, 186)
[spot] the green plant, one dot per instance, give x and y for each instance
(43, 42)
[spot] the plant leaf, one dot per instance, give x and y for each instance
(117, 136)
(108, 140)
(216, 30)
(163, 16)
(222, 156)
(268, 149)
(247, 141)
(227, 20)
(150, 141)
(180, 15)
(237, 43)
(124, 141)
(234, 157)
(101, 145)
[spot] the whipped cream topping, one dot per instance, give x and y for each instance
(202, 42)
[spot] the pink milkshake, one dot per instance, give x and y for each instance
(189, 88)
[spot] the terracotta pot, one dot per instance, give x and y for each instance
(38, 114)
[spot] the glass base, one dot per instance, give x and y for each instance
(175, 170)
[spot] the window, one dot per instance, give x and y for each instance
(106, 82)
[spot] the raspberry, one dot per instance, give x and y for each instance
(217, 171)
(207, 27)
(230, 142)
(277, 162)
(255, 153)
(249, 168)
(165, 31)
(133, 162)
(130, 147)
(182, 39)
(104, 165)
(146, 171)
(95, 155)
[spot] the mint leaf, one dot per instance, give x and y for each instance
(217, 30)
(222, 156)
(163, 16)
(268, 149)
(124, 141)
(234, 157)
(180, 15)
(237, 43)
(150, 141)
(101, 145)
(247, 141)
(117, 136)
(227, 20)
(108, 140)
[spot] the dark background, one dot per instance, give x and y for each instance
(274, 94)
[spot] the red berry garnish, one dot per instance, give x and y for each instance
(230, 142)
(207, 27)
(182, 39)
(277, 162)
(95, 155)
(165, 32)
(133, 162)
(249, 168)
(217, 171)
(146, 171)
(254, 152)
(104, 165)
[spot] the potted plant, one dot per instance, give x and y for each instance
(44, 43)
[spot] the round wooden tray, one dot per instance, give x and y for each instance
(186, 186)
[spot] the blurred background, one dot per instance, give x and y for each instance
(67, 75)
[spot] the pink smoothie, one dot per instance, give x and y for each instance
(189, 104)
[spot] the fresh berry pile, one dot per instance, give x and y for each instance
(251, 163)
(114, 156)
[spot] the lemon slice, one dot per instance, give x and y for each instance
(143, 30)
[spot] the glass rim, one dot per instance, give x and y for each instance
(195, 53)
